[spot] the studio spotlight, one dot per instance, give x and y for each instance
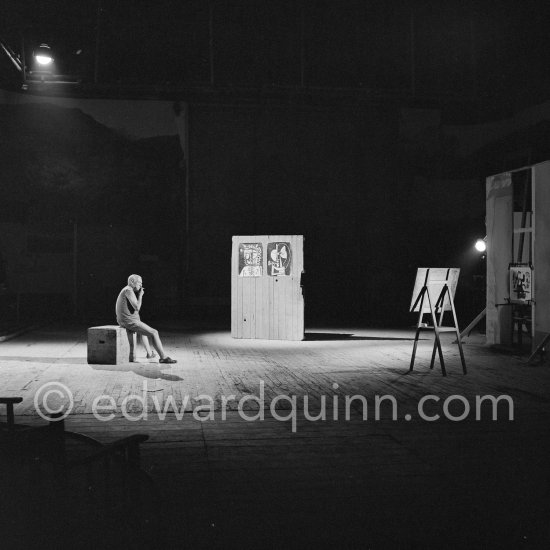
(481, 245)
(43, 54)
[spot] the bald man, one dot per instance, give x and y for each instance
(127, 315)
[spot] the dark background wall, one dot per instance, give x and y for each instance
(344, 179)
(342, 121)
(372, 204)
(73, 187)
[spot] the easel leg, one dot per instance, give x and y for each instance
(437, 345)
(470, 327)
(461, 355)
(459, 340)
(414, 349)
(432, 363)
(437, 342)
(418, 325)
(539, 349)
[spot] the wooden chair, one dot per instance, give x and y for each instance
(10, 418)
(73, 489)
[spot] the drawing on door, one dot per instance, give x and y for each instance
(250, 260)
(279, 259)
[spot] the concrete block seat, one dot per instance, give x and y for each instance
(108, 345)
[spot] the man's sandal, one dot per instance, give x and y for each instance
(167, 360)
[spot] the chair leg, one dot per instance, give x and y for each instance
(10, 417)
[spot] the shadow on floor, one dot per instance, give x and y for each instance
(151, 370)
(146, 370)
(47, 360)
(318, 336)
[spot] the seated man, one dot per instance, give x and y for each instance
(127, 315)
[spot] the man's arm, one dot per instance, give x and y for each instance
(134, 302)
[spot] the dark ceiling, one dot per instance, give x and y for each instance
(496, 52)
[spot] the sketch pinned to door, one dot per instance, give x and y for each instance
(250, 260)
(279, 259)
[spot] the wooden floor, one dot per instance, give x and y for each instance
(340, 483)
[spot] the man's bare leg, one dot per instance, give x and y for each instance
(153, 333)
(157, 344)
(132, 341)
(147, 346)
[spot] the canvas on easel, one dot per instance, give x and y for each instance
(521, 276)
(434, 293)
(436, 278)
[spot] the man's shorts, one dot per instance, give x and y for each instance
(139, 327)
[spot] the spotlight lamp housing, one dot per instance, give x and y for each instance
(43, 54)
(481, 245)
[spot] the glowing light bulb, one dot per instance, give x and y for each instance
(480, 245)
(43, 54)
(43, 60)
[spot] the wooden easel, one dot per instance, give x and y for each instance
(437, 310)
